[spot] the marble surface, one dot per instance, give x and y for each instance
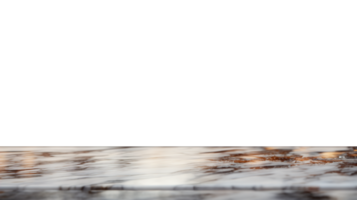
(180, 195)
(148, 166)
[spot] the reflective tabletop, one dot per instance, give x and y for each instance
(177, 166)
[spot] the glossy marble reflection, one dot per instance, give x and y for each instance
(145, 166)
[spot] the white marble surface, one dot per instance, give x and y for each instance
(147, 166)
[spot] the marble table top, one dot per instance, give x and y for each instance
(316, 167)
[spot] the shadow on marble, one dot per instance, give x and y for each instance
(179, 195)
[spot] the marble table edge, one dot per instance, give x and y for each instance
(180, 187)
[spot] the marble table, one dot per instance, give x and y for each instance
(185, 172)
